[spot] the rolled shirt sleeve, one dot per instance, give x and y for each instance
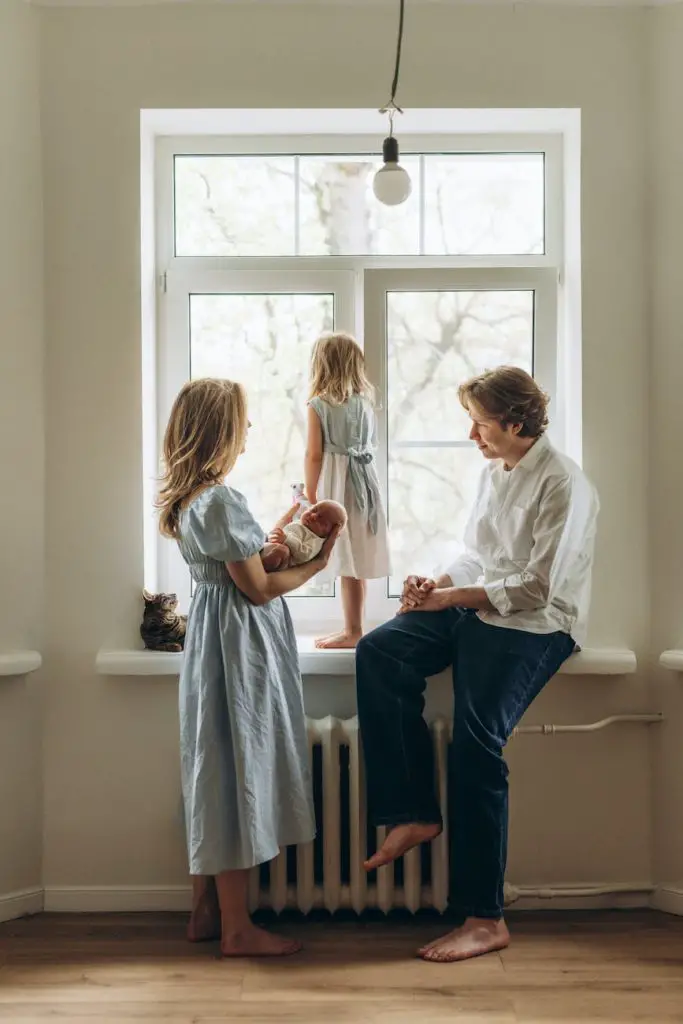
(559, 531)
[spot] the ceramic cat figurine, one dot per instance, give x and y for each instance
(162, 629)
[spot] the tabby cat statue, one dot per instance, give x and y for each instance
(162, 629)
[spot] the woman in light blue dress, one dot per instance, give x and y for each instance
(243, 746)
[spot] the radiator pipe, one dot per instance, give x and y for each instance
(521, 892)
(551, 730)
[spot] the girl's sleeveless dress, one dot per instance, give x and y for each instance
(349, 476)
(243, 745)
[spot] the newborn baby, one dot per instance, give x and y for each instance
(296, 543)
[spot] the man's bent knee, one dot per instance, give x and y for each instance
(377, 641)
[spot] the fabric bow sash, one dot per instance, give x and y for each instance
(364, 490)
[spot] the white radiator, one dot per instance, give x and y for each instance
(328, 873)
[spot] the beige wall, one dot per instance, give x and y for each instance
(582, 805)
(21, 443)
(666, 467)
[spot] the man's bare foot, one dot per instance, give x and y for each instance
(342, 641)
(205, 920)
(399, 841)
(253, 941)
(475, 937)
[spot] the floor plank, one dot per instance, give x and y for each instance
(614, 968)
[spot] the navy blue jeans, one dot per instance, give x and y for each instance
(497, 673)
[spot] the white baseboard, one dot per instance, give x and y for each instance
(21, 904)
(114, 899)
(177, 898)
(668, 898)
(630, 900)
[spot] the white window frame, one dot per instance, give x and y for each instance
(369, 277)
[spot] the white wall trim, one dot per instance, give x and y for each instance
(672, 660)
(21, 904)
(19, 663)
(114, 899)
(669, 899)
(177, 898)
(109, 899)
(595, 661)
(614, 896)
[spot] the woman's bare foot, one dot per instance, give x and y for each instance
(342, 641)
(205, 923)
(399, 841)
(253, 941)
(475, 937)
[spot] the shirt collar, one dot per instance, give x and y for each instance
(531, 458)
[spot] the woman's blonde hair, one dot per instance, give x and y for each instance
(206, 432)
(338, 369)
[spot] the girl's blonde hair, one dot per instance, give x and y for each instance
(206, 432)
(338, 369)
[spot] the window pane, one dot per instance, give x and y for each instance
(264, 341)
(474, 204)
(235, 206)
(430, 496)
(340, 216)
(437, 339)
(485, 204)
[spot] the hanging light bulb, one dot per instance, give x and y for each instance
(392, 184)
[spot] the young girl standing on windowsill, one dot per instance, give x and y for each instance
(340, 464)
(243, 746)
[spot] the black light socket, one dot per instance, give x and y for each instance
(390, 150)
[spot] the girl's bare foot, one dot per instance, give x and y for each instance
(205, 919)
(475, 937)
(253, 941)
(343, 641)
(399, 841)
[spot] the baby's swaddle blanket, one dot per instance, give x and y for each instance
(302, 542)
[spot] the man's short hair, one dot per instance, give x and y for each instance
(509, 395)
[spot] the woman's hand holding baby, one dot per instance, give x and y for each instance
(323, 557)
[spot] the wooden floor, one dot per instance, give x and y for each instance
(617, 967)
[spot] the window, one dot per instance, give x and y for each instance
(262, 246)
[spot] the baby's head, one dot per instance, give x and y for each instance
(322, 517)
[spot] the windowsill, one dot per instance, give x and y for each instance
(592, 661)
(672, 660)
(19, 663)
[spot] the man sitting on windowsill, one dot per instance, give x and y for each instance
(505, 616)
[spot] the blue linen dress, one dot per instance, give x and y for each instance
(243, 745)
